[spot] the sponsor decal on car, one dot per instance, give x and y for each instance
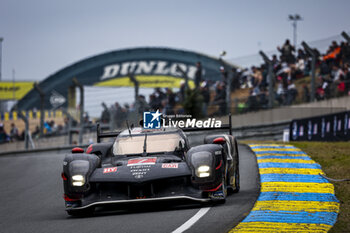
(170, 165)
(110, 169)
(139, 162)
(139, 171)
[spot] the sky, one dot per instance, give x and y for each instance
(43, 36)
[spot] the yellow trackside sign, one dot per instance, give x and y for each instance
(10, 90)
(146, 81)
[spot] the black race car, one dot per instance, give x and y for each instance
(144, 165)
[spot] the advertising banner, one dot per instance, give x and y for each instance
(14, 90)
(331, 127)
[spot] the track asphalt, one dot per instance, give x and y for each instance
(31, 195)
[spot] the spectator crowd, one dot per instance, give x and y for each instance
(289, 66)
(332, 72)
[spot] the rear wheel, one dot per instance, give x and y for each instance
(237, 184)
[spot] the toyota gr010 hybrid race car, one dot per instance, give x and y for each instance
(149, 165)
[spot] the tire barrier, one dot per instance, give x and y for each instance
(294, 197)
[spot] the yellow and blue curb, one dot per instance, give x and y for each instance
(293, 196)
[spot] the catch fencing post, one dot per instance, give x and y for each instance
(313, 69)
(81, 106)
(26, 131)
(269, 64)
(111, 121)
(346, 36)
(69, 129)
(184, 75)
(136, 85)
(229, 80)
(42, 102)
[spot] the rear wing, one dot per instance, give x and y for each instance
(100, 134)
(228, 127)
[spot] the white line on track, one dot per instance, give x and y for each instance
(192, 220)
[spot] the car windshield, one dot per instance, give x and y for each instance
(155, 143)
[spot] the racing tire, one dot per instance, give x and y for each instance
(81, 213)
(224, 190)
(237, 183)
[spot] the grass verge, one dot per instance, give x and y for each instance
(334, 157)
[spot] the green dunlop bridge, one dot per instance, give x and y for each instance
(152, 67)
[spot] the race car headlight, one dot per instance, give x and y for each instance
(204, 174)
(203, 171)
(78, 180)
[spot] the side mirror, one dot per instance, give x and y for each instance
(89, 149)
(219, 140)
(76, 150)
(181, 144)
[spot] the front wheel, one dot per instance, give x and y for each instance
(237, 184)
(220, 195)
